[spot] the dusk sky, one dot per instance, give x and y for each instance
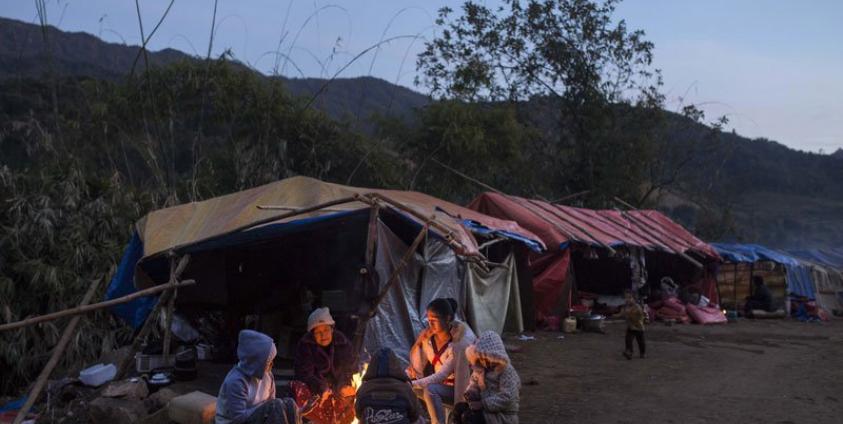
(773, 68)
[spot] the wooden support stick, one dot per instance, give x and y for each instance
(171, 307)
(397, 271)
(96, 306)
(393, 278)
(571, 196)
(474, 180)
(427, 220)
(69, 331)
(372, 237)
(141, 336)
(370, 279)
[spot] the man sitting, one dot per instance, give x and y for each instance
(762, 298)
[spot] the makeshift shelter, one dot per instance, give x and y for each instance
(828, 277)
(275, 251)
(781, 273)
(603, 251)
(807, 273)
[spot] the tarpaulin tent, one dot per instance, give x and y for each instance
(828, 279)
(650, 240)
(247, 248)
(782, 273)
(808, 273)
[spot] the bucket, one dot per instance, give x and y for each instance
(570, 325)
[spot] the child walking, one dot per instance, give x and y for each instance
(492, 396)
(634, 315)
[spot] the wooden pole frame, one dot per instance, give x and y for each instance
(79, 310)
(58, 351)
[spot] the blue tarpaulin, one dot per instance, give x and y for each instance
(752, 253)
(829, 257)
(122, 284)
(799, 276)
(478, 228)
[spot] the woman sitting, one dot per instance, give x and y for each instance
(323, 365)
(441, 346)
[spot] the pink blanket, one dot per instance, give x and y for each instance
(706, 315)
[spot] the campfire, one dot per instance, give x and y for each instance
(356, 382)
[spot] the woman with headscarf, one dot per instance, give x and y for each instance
(323, 366)
(442, 345)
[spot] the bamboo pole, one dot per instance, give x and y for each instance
(56, 355)
(370, 277)
(427, 220)
(96, 306)
(571, 196)
(393, 278)
(141, 336)
(397, 271)
(372, 237)
(474, 180)
(171, 307)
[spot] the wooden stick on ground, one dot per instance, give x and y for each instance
(79, 310)
(69, 331)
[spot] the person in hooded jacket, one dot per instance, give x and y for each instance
(323, 364)
(441, 346)
(493, 395)
(386, 395)
(247, 394)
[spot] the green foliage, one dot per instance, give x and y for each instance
(478, 140)
(583, 69)
(73, 184)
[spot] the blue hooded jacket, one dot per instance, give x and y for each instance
(248, 384)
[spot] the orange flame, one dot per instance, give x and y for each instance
(356, 382)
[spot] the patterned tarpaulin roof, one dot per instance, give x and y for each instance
(559, 225)
(192, 223)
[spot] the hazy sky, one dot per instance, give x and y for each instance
(775, 68)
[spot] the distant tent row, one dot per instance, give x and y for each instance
(249, 258)
(603, 252)
(274, 252)
(813, 274)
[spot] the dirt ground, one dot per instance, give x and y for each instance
(748, 372)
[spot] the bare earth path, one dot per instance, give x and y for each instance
(749, 372)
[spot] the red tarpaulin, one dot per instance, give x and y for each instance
(558, 226)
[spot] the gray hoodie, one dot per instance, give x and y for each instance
(248, 384)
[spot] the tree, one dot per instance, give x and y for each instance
(572, 54)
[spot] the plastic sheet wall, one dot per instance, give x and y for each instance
(491, 291)
(400, 315)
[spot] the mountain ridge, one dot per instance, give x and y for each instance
(781, 196)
